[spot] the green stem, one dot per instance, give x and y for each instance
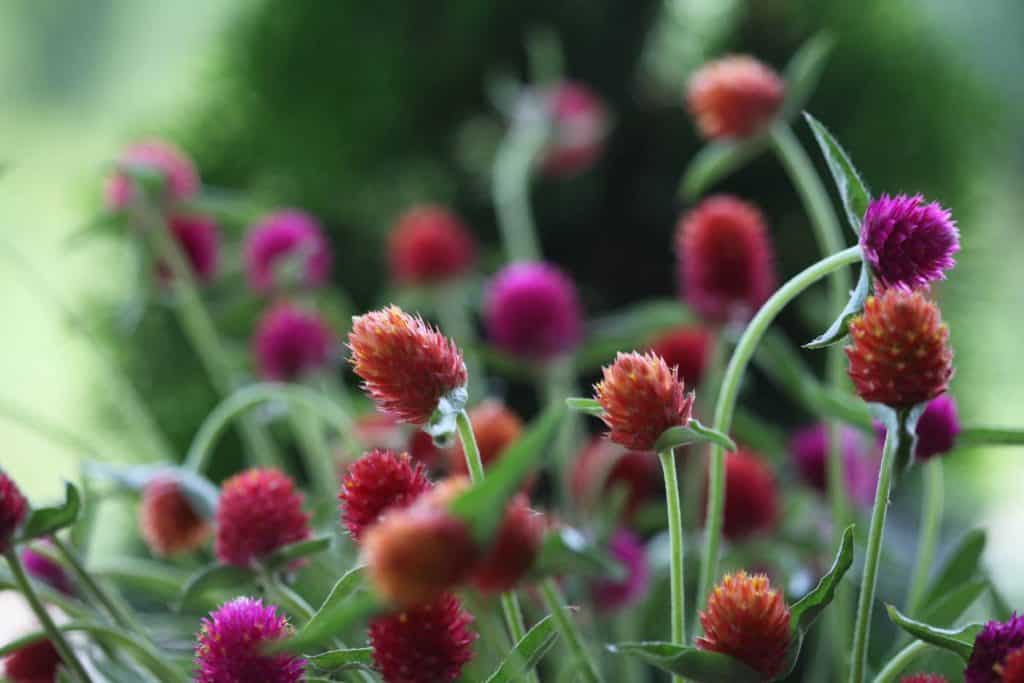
(675, 530)
(990, 436)
(453, 312)
(931, 524)
(120, 616)
(726, 404)
(555, 604)
(309, 430)
(872, 559)
(561, 383)
(901, 661)
(513, 170)
(67, 655)
(289, 600)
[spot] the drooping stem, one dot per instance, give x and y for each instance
(555, 604)
(513, 170)
(67, 655)
(872, 559)
(675, 530)
(122, 618)
(901, 661)
(928, 538)
(726, 404)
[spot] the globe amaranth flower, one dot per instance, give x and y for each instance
(992, 648)
(747, 620)
(291, 342)
(579, 124)
(641, 397)
(428, 643)
(168, 521)
(725, 259)
(13, 509)
(615, 594)
(259, 511)
(908, 243)
(809, 449)
(532, 310)
(229, 648)
(37, 662)
(495, 427)
(686, 349)
(406, 365)
(601, 467)
(1012, 670)
(513, 551)
(900, 354)
(430, 244)
(286, 249)
(40, 567)
(734, 97)
(380, 480)
(198, 238)
(937, 428)
(751, 496)
(181, 180)
(924, 678)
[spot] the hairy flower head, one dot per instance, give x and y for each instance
(259, 511)
(427, 643)
(169, 523)
(229, 648)
(430, 244)
(380, 480)
(286, 249)
(734, 97)
(908, 243)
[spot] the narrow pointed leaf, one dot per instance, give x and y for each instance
(215, 577)
(807, 609)
(329, 622)
(838, 329)
(853, 192)
(958, 641)
(960, 566)
(588, 406)
(343, 589)
(692, 432)
(568, 551)
(282, 557)
(45, 521)
(716, 161)
(334, 660)
(530, 649)
(803, 72)
(700, 666)
(157, 580)
(945, 611)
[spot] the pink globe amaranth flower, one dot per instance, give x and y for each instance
(725, 259)
(937, 429)
(169, 523)
(430, 244)
(199, 240)
(908, 243)
(611, 595)
(229, 648)
(428, 643)
(379, 481)
(992, 647)
(13, 509)
(291, 342)
(734, 97)
(181, 180)
(42, 568)
(532, 310)
(287, 237)
(579, 124)
(809, 451)
(37, 662)
(687, 349)
(259, 511)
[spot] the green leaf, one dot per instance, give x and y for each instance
(701, 666)
(327, 623)
(808, 608)
(157, 580)
(530, 649)
(334, 660)
(1000, 607)
(589, 406)
(945, 611)
(350, 582)
(958, 641)
(853, 192)
(567, 551)
(959, 567)
(718, 160)
(284, 556)
(46, 521)
(838, 329)
(215, 577)
(441, 425)
(803, 72)
(693, 431)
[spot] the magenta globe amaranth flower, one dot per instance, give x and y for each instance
(229, 648)
(286, 248)
(937, 428)
(609, 594)
(809, 451)
(996, 642)
(198, 238)
(532, 310)
(39, 566)
(908, 243)
(291, 342)
(181, 180)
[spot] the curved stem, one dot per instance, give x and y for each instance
(872, 558)
(513, 169)
(120, 617)
(901, 661)
(67, 655)
(555, 603)
(726, 404)
(928, 537)
(675, 530)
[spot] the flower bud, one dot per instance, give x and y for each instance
(282, 244)
(198, 239)
(908, 243)
(734, 97)
(169, 523)
(259, 512)
(229, 647)
(381, 480)
(290, 342)
(37, 662)
(579, 124)
(181, 180)
(613, 595)
(13, 509)
(40, 567)
(430, 244)
(427, 643)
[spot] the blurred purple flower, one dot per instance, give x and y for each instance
(991, 648)
(937, 428)
(41, 567)
(280, 238)
(229, 647)
(290, 342)
(809, 451)
(628, 549)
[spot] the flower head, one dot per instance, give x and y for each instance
(602, 466)
(290, 342)
(13, 509)
(495, 426)
(380, 480)
(181, 180)
(34, 663)
(734, 97)
(725, 259)
(751, 496)
(908, 243)
(924, 678)
(286, 243)
(169, 523)
(229, 646)
(513, 551)
(579, 125)
(428, 643)
(937, 428)
(686, 349)
(809, 451)
(40, 567)
(199, 241)
(430, 244)
(1012, 669)
(259, 512)
(532, 310)
(900, 354)
(406, 365)
(641, 397)
(992, 647)
(609, 594)
(748, 620)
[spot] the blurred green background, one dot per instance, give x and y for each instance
(354, 110)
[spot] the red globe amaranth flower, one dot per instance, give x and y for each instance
(513, 551)
(686, 349)
(579, 124)
(924, 678)
(430, 244)
(167, 520)
(908, 243)
(532, 310)
(199, 240)
(748, 620)
(1012, 669)
(13, 509)
(406, 365)
(610, 595)
(602, 466)
(809, 451)
(229, 648)
(42, 568)
(428, 643)
(751, 496)
(290, 342)
(181, 180)
(734, 97)
(259, 511)
(35, 663)
(379, 481)
(495, 426)
(641, 397)
(725, 259)
(288, 239)
(900, 354)
(992, 648)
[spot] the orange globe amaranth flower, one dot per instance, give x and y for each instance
(900, 354)
(514, 549)
(167, 520)
(406, 365)
(495, 427)
(642, 397)
(734, 97)
(748, 620)
(379, 481)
